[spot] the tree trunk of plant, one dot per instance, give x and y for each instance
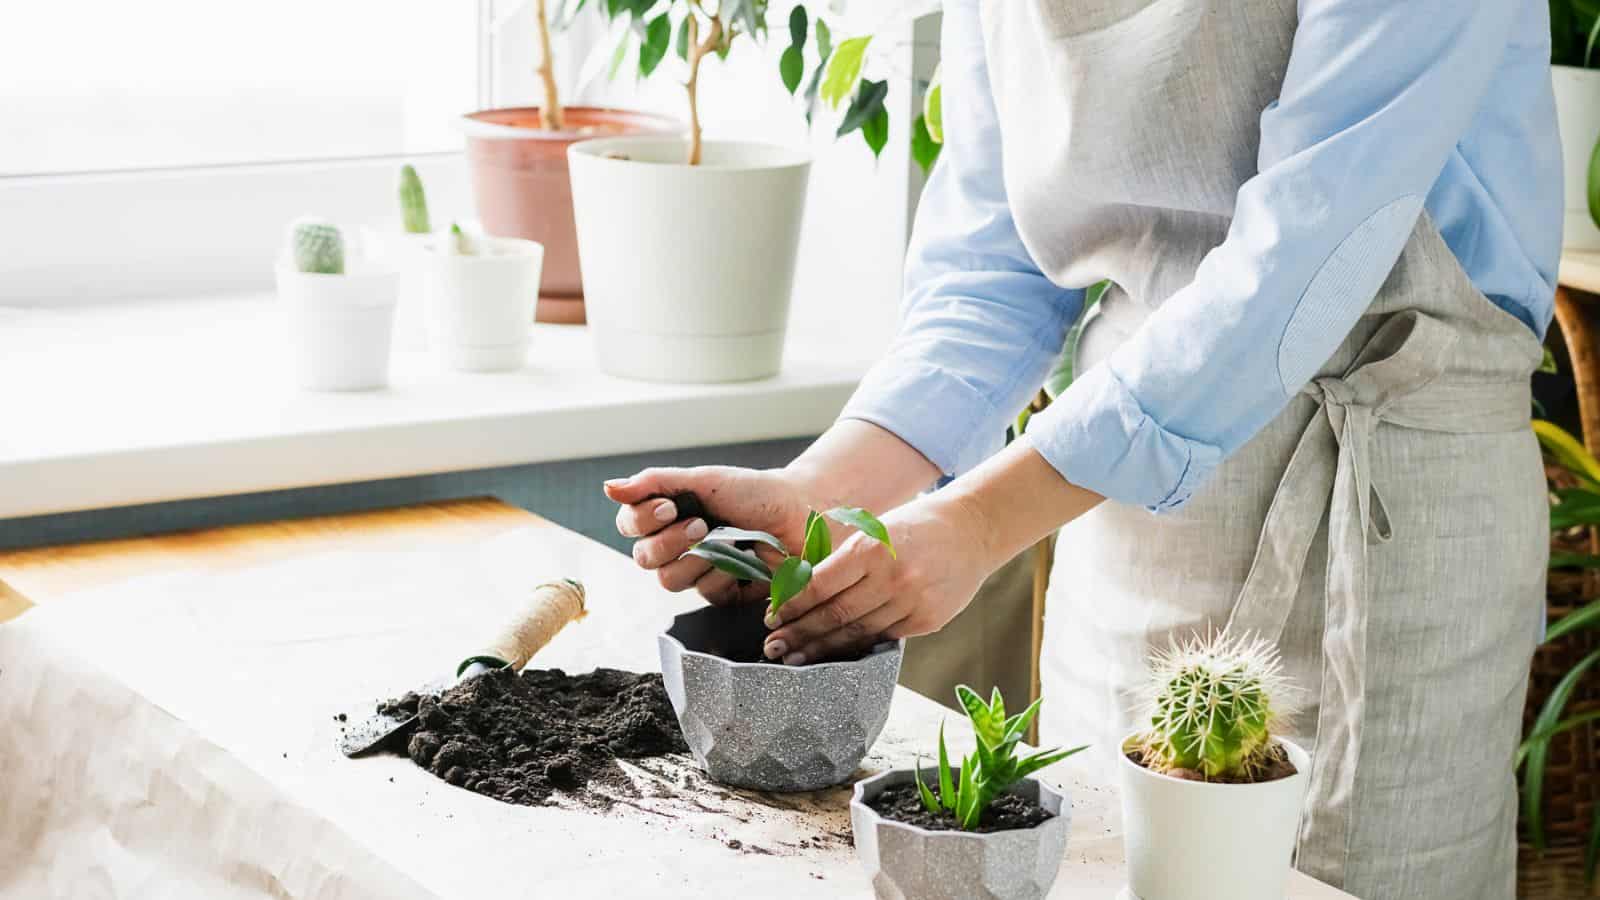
(555, 117)
(697, 51)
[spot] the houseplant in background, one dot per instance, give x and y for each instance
(403, 247)
(338, 312)
(759, 724)
(479, 293)
(984, 828)
(518, 162)
(1575, 75)
(1211, 795)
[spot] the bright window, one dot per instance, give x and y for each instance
(110, 85)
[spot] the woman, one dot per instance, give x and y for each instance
(1332, 227)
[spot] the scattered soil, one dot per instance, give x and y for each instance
(1278, 766)
(1009, 812)
(522, 737)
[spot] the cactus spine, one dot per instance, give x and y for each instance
(413, 202)
(318, 247)
(1214, 706)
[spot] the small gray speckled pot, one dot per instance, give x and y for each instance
(765, 726)
(911, 863)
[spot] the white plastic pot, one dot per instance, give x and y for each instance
(1190, 840)
(405, 253)
(480, 307)
(687, 270)
(1578, 114)
(339, 327)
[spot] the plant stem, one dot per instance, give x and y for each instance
(697, 51)
(554, 116)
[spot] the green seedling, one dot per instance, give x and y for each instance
(413, 202)
(793, 573)
(988, 771)
(459, 243)
(317, 247)
(1215, 706)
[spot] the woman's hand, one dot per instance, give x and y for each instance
(765, 500)
(862, 594)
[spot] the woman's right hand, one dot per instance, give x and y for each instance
(769, 500)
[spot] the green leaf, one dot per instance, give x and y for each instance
(682, 41)
(867, 103)
(1568, 451)
(730, 535)
(864, 522)
(1561, 559)
(1039, 760)
(997, 703)
(928, 799)
(1577, 620)
(990, 730)
(1592, 186)
(1541, 736)
(844, 69)
(565, 11)
(1538, 753)
(1060, 377)
(1578, 506)
(1547, 365)
(1018, 724)
(797, 28)
(657, 35)
(933, 105)
(1591, 853)
(819, 542)
(967, 811)
(947, 786)
(789, 579)
(619, 54)
(791, 67)
(924, 149)
(824, 41)
(741, 564)
(875, 131)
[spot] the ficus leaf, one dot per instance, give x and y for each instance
(844, 69)
(875, 131)
(864, 522)
(619, 54)
(868, 103)
(789, 579)
(657, 35)
(819, 542)
(741, 564)
(797, 27)
(933, 105)
(824, 40)
(682, 41)
(924, 150)
(791, 67)
(730, 535)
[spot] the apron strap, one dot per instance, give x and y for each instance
(1330, 472)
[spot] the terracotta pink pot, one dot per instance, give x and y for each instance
(520, 182)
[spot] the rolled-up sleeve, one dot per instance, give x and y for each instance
(980, 324)
(1376, 96)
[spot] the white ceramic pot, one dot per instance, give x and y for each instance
(1190, 840)
(1578, 114)
(406, 254)
(339, 327)
(687, 270)
(480, 307)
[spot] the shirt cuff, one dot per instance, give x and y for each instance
(942, 416)
(1098, 437)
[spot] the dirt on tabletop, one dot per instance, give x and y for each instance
(523, 737)
(1278, 766)
(1008, 812)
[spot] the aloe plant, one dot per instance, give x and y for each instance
(990, 769)
(793, 573)
(317, 247)
(1214, 706)
(1573, 507)
(413, 202)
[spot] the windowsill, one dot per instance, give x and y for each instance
(138, 402)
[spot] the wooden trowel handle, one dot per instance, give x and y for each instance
(552, 606)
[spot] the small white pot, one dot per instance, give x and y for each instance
(480, 307)
(405, 253)
(687, 270)
(1578, 115)
(339, 327)
(1190, 840)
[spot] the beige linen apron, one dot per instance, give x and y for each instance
(1388, 528)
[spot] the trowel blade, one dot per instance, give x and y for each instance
(378, 731)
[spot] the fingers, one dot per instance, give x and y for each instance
(849, 621)
(848, 565)
(858, 636)
(648, 483)
(646, 517)
(666, 545)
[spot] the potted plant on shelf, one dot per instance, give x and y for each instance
(339, 314)
(1575, 75)
(985, 828)
(480, 293)
(403, 248)
(759, 724)
(1212, 754)
(518, 162)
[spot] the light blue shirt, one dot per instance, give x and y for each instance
(1383, 89)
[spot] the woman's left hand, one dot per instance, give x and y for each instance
(861, 594)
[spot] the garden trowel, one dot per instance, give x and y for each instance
(552, 606)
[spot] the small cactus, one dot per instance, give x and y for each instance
(317, 246)
(1214, 706)
(413, 202)
(459, 243)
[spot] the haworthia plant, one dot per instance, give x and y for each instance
(317, 247)
(719, 548)
(413, 202)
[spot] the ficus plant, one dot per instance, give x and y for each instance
(989, 770)
(721, 549)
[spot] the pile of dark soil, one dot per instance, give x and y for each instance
(1277, 766)
(522, 737)
(1008, 812)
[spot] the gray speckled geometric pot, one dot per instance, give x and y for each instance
(772, 727)
(911, 863)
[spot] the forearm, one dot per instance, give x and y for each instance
(856, 463)
(1011, 501)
